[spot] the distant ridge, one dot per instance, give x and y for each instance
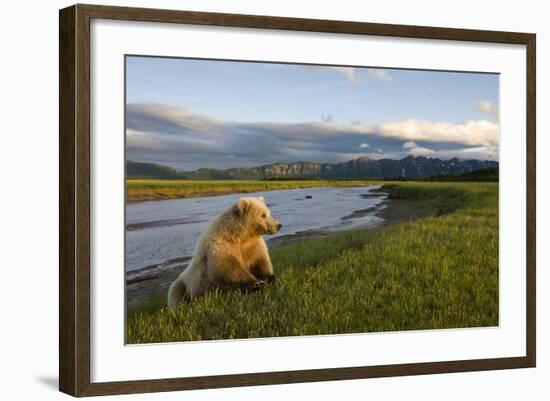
(362, 167)
(150, 170)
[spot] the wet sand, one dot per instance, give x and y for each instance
(156, 279)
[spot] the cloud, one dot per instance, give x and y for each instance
(357, 74)
(178, 137)
(345, 157)
(147, 115)
(419, 151)
(415, 150)
(141, 140)
(487, 107)
(327, 118)
(381, 75)
(348, 72)
(478, 152)
(472, 133)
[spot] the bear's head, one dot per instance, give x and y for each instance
(256, 216)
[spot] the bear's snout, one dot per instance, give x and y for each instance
(273, 226)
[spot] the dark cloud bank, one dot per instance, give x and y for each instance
(174, 136)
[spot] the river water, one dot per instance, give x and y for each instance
(164, 230)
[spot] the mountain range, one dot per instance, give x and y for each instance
(362, 167)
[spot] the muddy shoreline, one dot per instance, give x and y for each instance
(162, 195)
(156, 279)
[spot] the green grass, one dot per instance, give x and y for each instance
(149, 189)
(437, 272)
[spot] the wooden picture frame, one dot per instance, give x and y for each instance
(74, 199)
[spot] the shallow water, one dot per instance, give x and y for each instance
(159, 231)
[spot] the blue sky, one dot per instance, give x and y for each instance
(190, 113)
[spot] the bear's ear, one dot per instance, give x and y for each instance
(241, 206)
(261, 198)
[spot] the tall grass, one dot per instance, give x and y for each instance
(437, 272)
(149, 189)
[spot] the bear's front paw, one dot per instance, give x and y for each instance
(253, 286)
(256, 285)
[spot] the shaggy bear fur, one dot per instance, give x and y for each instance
(230, 253)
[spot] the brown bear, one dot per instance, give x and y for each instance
(230, 253)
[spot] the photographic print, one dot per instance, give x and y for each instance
(275, 199)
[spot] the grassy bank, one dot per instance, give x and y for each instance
(149, 189)
(437, 272)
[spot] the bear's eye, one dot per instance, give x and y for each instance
(263, 215)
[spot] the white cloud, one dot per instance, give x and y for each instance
(420, 151)
(344, 157)
(364, 146)
(470, 133)
(355, 75)
(477, 152)
(487, 107)
(374, 73)
(415, 150)
(348, 72)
